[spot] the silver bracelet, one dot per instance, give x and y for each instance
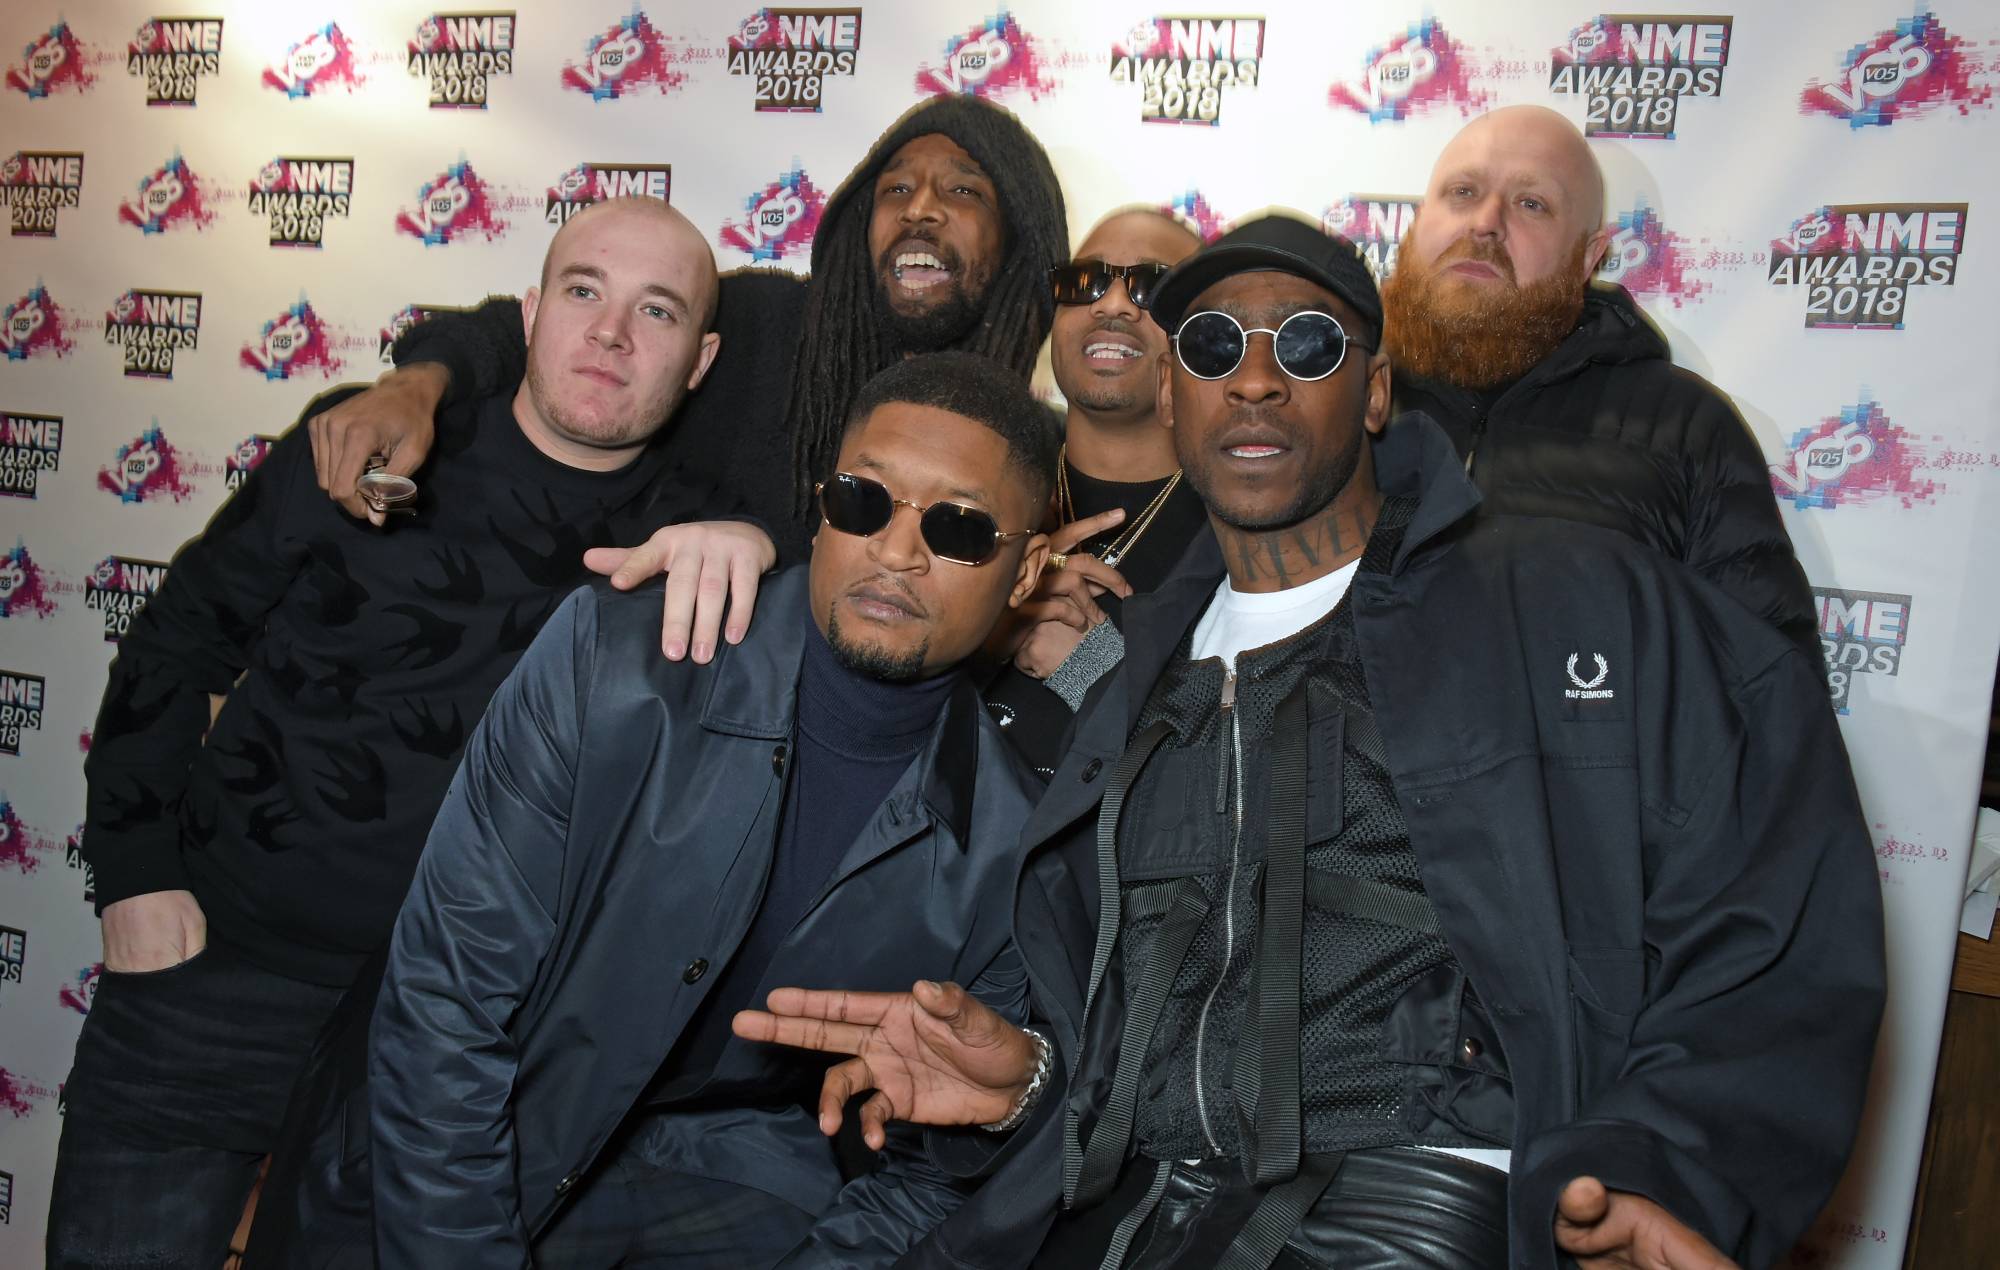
(1044, 1058)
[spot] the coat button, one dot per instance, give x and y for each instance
(696, 969)
(563, 1187)
(778, 760)
(1091, 769)
(1470, 1048)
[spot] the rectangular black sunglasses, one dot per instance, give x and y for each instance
(1086, 281)
(863, 507)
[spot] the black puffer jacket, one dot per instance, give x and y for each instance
(1608, 431)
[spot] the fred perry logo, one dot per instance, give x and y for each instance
(1590, 689)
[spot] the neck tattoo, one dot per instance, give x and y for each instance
(1277, 559)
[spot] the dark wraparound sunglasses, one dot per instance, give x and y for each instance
(1309, 345)
(964, 535)
(1086, 281)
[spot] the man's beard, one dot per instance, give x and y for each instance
(871, 659)
(941, 323)
(1483, 337)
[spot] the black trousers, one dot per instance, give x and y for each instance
(1387, 1208)
(179, 1084)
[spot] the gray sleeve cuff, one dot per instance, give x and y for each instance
(1103, 647)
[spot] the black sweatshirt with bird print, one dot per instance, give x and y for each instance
(354, 662)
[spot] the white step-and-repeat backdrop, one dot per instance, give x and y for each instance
(220, 210)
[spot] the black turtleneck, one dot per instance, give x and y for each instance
(855, 737)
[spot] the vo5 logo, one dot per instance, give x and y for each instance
(1881, 74)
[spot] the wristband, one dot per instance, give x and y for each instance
(1044, 1055)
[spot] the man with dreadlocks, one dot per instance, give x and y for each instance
(941, 238)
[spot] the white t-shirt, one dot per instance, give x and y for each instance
(1238, 621)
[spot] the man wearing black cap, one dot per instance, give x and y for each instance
(1457, 892)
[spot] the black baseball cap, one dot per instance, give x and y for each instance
(1283, 243)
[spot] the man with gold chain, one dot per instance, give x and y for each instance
(1117, 457)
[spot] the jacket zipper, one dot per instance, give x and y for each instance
(1232, 758)
(1478, 433)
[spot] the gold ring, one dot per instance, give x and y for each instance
(1057, 559)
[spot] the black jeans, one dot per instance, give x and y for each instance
(179, 1084)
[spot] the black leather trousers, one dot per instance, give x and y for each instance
(1386, 1208)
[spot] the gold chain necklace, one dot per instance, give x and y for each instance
(1122, 545)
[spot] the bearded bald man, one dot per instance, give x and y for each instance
(1559, 395)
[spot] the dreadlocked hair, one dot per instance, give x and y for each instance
(842, 345)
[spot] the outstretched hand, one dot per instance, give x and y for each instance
(933, 1055)
(1615, 1230)
(706, 563)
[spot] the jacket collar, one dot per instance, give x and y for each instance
(1414, 458)
(754, 692)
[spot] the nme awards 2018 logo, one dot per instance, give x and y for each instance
(172, 55)
(52, 61)
(21, 703)
(25, 590)
(170, 198)
(778, 220)
(1375, 224)
(29, 446)
(452, 205)
(588, 183)
(1857, 262)
(150, 326)
(1860, 633)
(298, 194)
(790, 52)
(629, 58)
(460, 53)
(1415, 69)
(1911, 69)
(1856, 456)
(13, 958)
(291, 343)
(73, 859)
(35, 185)
(1647, 259)
(247, 457)
(146, 468)
(1632, 69)
(323, 60)
(119, 588)
(994, 58)
(34, 324)
(1183, 65)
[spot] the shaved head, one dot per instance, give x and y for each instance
(618, 331)
(1491, 276)
(680, 237)
(1538, 139)
(1144, 227)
